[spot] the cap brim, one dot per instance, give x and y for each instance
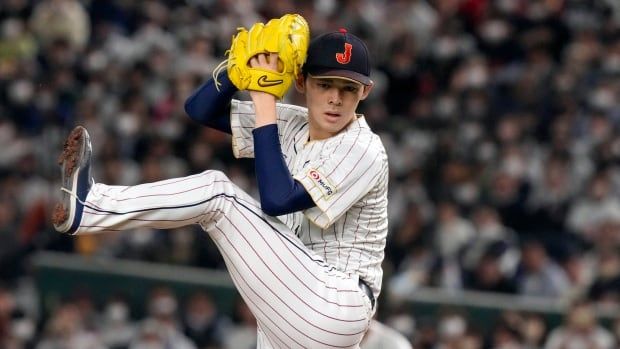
(340, 74)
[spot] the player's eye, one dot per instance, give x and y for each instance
(323, 85)
(351, 88)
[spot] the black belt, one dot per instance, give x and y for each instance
(364, 286)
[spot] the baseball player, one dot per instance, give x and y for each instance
(307, 257)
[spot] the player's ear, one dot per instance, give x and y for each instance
(367, 89)
(300, 83)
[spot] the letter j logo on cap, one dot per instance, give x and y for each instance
(344, 57)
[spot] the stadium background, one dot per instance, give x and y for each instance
(501, 123)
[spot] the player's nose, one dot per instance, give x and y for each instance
(335, 96)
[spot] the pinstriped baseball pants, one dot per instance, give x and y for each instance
(298, 300)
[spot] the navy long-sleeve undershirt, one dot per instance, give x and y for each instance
(279, 192)
(211, 107)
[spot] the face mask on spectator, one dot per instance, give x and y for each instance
(495, 31)
(446, 48)
(602, 98)
(163, 305)
(477, 76)
(21, 92)
(23, 329)
(446, 106)
(451, 327)
(116, 312)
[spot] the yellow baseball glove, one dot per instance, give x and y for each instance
(288, 36)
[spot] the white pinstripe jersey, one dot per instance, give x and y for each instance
(346, 176)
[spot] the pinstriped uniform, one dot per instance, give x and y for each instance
(299, 272)
(348, 227)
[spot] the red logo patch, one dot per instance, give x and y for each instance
(345, 57)
(314, 174)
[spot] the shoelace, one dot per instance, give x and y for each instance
(72, 195)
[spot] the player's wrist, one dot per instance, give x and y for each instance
(264, 107)
(263, 98)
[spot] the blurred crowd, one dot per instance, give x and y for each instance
(500, 119)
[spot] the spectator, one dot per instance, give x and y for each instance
(117, 330)
(411, 233)
(533, 330)
(162, 323)
(551, 193)
(243, 332)
(415, 271)
(599, 205)
(472, 340)
(426, 336)
(540, 276)
(451, 329)
(452, 232)
(7, 307)
(491, 234)
(16, 42)
(61, 20)
(64, 330)
(580, 330)
(150, 335)
(505, 336)
(577, 269)
(487, 276)
(203, 323)
(606, 286)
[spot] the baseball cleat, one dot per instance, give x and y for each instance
(76, 181)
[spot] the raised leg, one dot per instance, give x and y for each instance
(299, 301)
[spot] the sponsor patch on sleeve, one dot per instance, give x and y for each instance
(321, 182)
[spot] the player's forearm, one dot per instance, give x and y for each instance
(210, 106)
(264, 107)
(279, 192)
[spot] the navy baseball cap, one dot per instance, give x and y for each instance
(338, 55)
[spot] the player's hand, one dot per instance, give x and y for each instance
(267, 61)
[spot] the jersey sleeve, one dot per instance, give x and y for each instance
(242, 122)
(341, 177)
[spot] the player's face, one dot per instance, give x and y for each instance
(331, 104)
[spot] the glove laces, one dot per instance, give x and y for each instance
(216, 72)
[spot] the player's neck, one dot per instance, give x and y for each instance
(319, 135)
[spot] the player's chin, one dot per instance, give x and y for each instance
(331, 124)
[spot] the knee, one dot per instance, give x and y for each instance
(219, 182)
